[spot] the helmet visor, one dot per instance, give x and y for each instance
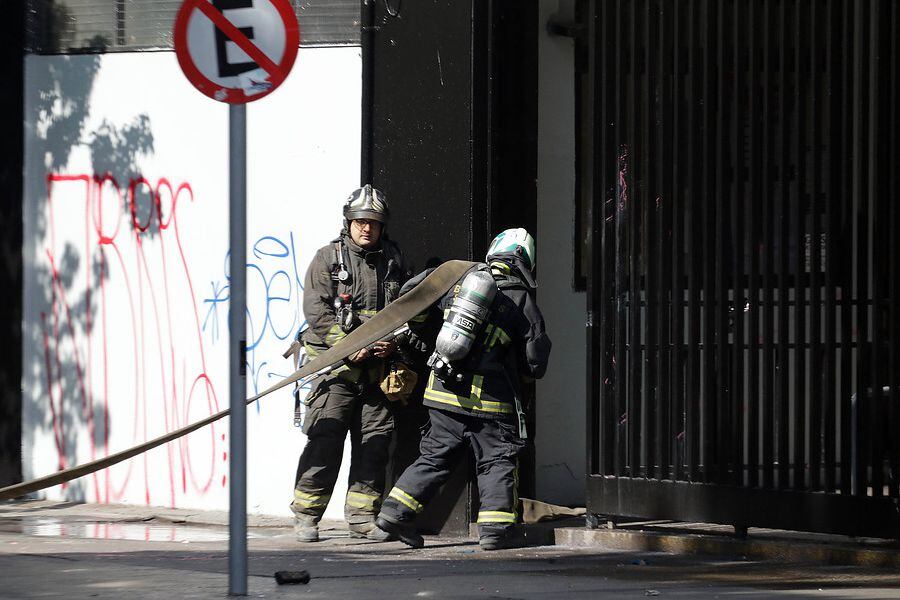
(366, 214)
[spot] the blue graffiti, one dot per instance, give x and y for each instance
(211, 319)
(274, 303)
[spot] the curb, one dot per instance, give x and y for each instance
(755, 549)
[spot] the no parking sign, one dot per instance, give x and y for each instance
(236, 51)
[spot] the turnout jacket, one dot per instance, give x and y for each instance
(511, 346)
(375, 277)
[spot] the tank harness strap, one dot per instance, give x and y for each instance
(340, 271)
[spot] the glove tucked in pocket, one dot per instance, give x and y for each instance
(399, 383)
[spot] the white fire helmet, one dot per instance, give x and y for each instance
(513, 243)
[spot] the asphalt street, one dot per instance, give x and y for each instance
(88, 551)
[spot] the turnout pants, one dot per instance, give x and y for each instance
(496, 445)
(336, 407)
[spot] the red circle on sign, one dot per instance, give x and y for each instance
(277, 71)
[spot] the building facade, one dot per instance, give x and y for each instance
(711, 185)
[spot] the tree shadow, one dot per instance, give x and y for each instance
(58, 402)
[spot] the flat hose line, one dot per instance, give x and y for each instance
(382, 324)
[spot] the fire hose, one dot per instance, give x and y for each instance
(380, 326)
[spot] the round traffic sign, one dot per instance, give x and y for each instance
(236, 51)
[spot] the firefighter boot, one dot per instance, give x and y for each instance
(368, 530)
(491, 537)
(306, 528)
(405, 532)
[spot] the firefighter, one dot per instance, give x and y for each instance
(491, 340)
(347, 282)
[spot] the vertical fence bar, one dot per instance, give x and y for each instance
(721, 397)
(630, 206)
(604, 208)
(649, 355)
(862, 297)
(735, 384)
(860, 220)
(635, 361)
(621, 211)
(799, 313)
(783, 266)
(846, 219)
(607, 24)
(894, 249)
(872, 251)
(597, 42)
(676, 294)
(609, 125)
(833, 108)
(595, 415)
(752, 247)
(816, 391)
(694, 253)
(709, 239)
(665, 249)
(768, 257)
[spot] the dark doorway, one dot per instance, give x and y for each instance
(449, 133)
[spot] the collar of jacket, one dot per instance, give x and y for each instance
(517, 271)
(357, 249)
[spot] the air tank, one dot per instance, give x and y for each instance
(463, 320)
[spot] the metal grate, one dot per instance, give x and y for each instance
(744, 279)
(77, 26)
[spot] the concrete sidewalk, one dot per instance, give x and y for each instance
(83, 551)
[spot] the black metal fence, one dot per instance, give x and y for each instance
(744, 330)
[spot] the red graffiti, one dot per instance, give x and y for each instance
(140, 271)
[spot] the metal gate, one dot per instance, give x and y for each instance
(744, 327)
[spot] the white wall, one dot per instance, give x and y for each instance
(125, 324)
(560, 445)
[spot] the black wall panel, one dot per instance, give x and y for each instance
(418, 148)
(449, 134)
(11, 94)
(422, 125)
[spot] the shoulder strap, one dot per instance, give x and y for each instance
(341, 262)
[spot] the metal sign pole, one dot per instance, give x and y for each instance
(237, 192)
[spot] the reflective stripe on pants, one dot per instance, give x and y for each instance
(496, 446)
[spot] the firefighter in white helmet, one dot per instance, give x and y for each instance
(492, 337)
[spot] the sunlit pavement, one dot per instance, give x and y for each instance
(91, 551)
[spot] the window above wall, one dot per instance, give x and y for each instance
(86, 26)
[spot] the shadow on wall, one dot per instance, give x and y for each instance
(57, 399)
